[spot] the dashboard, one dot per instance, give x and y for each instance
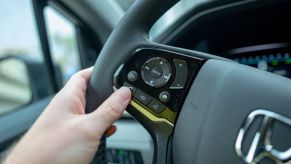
(254, 33)
(274, 58)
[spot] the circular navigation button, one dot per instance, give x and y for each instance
(164, 96)
(156, 72)
(132, 76)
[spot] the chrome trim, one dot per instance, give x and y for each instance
(261, 145)
(115, 76)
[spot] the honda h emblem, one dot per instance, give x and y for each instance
(261, 146)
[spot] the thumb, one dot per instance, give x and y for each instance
(111, 109)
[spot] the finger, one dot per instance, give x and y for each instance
(111, 109)
(110, 131)
(75, 88)
(79, 80)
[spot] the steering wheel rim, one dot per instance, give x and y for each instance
(131, 35)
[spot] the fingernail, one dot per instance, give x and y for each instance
(125, 94)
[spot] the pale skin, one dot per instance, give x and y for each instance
(64, 133)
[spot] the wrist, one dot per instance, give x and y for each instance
(25, 151)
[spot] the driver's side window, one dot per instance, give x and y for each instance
(20, 51)
(24, 77)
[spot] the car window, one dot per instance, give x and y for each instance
(19, 50)
(18, 29)
(63, 43)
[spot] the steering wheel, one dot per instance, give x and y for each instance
(198, 108)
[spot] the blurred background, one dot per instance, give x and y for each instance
(20, 46)
(19, 37)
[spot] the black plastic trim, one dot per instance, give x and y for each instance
(38, 7)
(22, 120)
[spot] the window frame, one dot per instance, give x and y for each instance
(87, 40)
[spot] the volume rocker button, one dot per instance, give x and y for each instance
(181, 74)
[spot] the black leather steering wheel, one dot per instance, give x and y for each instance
(198, 108)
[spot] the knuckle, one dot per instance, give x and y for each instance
(75, 76)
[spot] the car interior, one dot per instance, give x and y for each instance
(210, 79)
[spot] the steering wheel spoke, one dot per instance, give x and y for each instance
(159, 80)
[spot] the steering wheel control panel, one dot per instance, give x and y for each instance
(159, 81)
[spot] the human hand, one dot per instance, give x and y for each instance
(64, 133)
